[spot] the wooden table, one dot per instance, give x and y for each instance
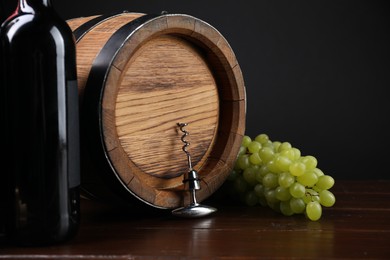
(358, 226)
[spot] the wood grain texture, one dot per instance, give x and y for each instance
(356, 227)
(172, 69)
(153, 97)
(91, 44)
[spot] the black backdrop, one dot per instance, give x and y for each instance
(316, 72)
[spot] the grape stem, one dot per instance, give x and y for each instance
(312, 194)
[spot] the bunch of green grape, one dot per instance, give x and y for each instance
(275, 174)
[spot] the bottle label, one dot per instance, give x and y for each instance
(73, 134)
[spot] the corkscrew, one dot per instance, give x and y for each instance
(192, 184)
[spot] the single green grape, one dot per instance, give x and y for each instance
(285, 208)
(259, 190)
(243, 161)
(249, 175)
(310, 162)
(327, 199)
(325, 182)
(270, 196)
(297, 190)
(297, 168)
(261, 172)
(288, 153)
(268, 144)
(276, 145)
(270, 180)
(284, 146)
(266, 154)
(246, 140)
(255, 158)
(297, 153)
(282, 163)
(264, 170)
(318, 172)
(285, 179)
(308, 179)
(313, 210)
(242, 150)
(254, 147)
(262, 138)
(297, 205)
(282, 194)
(273, 167)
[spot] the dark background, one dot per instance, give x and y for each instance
(316, 72)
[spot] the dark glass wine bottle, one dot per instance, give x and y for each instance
(2, 184)
(39, 98)
(2, 12)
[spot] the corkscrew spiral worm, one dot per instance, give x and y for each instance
(186, 143)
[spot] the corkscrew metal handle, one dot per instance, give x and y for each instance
(191, 183)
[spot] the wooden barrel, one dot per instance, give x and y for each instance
(139, 75)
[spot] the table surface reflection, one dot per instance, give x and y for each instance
(356, 227)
